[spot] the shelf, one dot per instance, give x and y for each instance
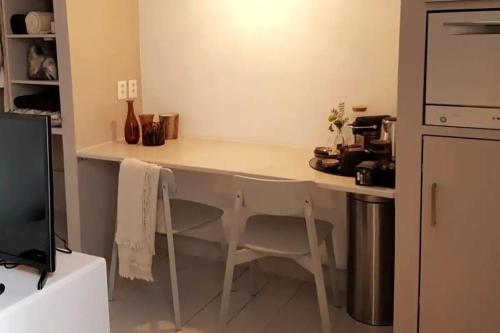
(57, 131)
(36, 82)
(42, 36)
(2, 79)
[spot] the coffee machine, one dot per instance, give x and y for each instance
(371, 158)
(388, 134)
(366, 130)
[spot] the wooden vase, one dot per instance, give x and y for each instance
(171, 123)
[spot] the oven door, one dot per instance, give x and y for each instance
(463, 64)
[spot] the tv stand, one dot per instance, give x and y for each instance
(75, 292)
(42, 280)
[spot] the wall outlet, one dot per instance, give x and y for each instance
(132, 88)
(122, 90)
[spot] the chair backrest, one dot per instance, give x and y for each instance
(167, 177)
(274, 197)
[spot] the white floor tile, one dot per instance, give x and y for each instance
(262, 309)
(206, 321)
(281, 306)
(147, 307)
(301, 314)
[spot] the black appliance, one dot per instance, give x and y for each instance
(370, 146)
(26, 194)
(376, 173)
(366, 173)
(386, 173)
(354, 155)
(366, 129)
(366, 132)
(351, 157)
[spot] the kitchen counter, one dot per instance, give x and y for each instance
(226, 157)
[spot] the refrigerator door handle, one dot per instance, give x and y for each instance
(434, 205)
(473, 28)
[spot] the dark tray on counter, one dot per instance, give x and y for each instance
(316, 164)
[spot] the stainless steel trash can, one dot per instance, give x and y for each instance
(370, 283)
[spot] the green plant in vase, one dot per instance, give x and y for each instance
(337, 120)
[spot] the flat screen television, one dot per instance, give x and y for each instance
(26, 194)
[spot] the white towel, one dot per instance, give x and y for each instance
(136, 218)
(39, 22)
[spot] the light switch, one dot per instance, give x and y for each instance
(122, 90)
(132, 89)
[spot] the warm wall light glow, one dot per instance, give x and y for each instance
(262, 14)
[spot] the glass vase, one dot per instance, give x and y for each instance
(336, 142)
(132, 132)
(153, 132)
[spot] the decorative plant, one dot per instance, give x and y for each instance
(337, 118)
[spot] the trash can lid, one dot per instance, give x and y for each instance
(370, 198)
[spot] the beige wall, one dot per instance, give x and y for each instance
(267, 71)
(104, 40)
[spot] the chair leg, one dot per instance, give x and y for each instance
(337, 299)
(253, 278)
(226, 292)
(171, 257)
(223, 250)
(321, 292)
(112, 272)
(230, 263)
(173, 281)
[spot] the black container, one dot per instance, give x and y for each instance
(351, 157)
(386, 174)
(18, 24)
(376, 173)
(153, 134)
(366, 173)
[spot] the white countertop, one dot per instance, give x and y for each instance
(225, 157)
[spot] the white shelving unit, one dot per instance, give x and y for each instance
(88, 70)
(57, 131)
(17, 83)
(35, 82)
(2, 90)
(16, 47)
(45, 36)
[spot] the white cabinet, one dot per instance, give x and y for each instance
(74, 300)
(460, 244)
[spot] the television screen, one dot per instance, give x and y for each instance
(26, 204)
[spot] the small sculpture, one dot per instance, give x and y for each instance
(41, 67)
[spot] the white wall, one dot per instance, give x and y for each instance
(267, 70)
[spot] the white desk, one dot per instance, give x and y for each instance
(99, 181)
(225, 157)
(74, 298)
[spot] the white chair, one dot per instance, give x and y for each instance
(179, 216)
(281, 224)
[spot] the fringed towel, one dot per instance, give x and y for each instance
(136, 218)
